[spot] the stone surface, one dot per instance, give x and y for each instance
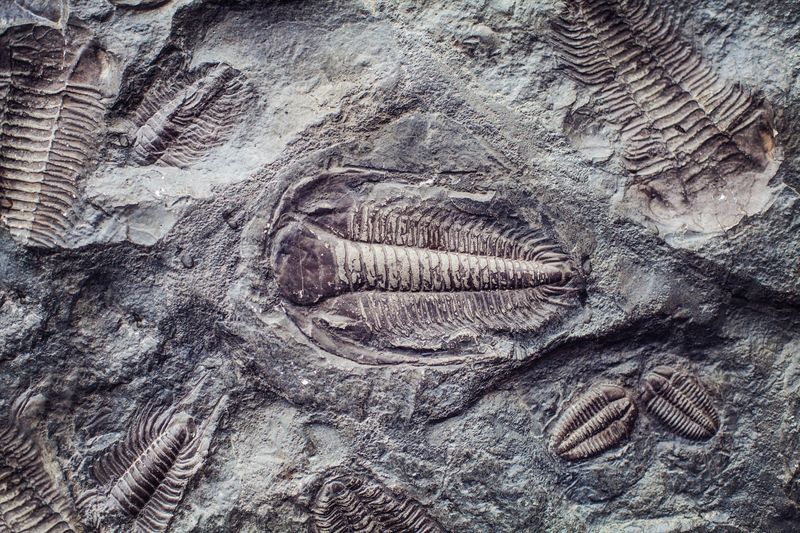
(165, 281)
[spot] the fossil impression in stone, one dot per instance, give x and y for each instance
(350, 504)
(31, 500)
(680, 402)
(385, 272)
(52, 94)
(180, 120)
(144, 476)
(598, 421)
(700, 149)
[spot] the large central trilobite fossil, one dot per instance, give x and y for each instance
(387, 272)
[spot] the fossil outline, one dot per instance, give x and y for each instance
(358, 265)
(597, 421)
(346, 503)
(680, 402)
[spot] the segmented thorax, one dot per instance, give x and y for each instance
(680, 402)
(348, 504)
(394, 266)
(598, 421)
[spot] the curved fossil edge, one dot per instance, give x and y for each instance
(292, 196)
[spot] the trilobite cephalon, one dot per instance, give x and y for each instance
(31, 499)
(142, 477)
(351, 504)
(680, 402)
(53, 91)
(182, 117)
(695, 143)
(385, 272)
(598, 421)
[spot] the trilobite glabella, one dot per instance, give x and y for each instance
(350, 504)
(680, 402)
(385, 272)
(598, 421)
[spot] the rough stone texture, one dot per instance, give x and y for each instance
(166, 276)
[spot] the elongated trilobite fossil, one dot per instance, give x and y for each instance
(389, 272)
(31, 500)
(598, 421)
(181, 119)
(143, 477)
(53, 89)
(688, 135)
(680, 402)
(350, 504)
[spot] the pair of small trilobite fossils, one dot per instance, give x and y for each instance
(605, 416)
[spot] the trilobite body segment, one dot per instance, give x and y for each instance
(181, 119)
(142, 478)
(52, 103)
(349, 504)
(685, 131)
(31, 501)
(385, 266)
(681, 402)
(598, 421)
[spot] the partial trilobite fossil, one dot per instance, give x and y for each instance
(680, 402)
(53, 89)
(351, 504)
(693, 141)
(31, 499)
(142, 478)
(181, 119)
(598, 421)
(384, 272)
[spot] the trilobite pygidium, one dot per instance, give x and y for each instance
(388, 272)
(699, 147)
(53, 91)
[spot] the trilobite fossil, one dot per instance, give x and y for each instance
(680, 402)
(183, 117)
(598, 421)
(389, 272)
(693, 141)
(32, 500)
(53, 91)
(142, 478)
(351, 504)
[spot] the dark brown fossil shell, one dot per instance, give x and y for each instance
(350, 504)
(680, 402)
(390, 272)
(596, 422)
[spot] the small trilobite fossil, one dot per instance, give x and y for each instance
(143, 477)
(351, 504)
(182, 118)
(691, 139)
(680, 402)
(598, 421)
(53, 92)
(31, 499)
(381, 271)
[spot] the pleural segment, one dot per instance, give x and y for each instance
(405, 271)
(681, 402)
(52, 91)
(598, 421)
(350, 504)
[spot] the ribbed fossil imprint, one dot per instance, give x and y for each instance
(400, 268)
(350, 504)
(599, 420)
(181, 119)
(52, 102)
(680, 402)
(144, 476)
(692, 140)
(31, 500)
